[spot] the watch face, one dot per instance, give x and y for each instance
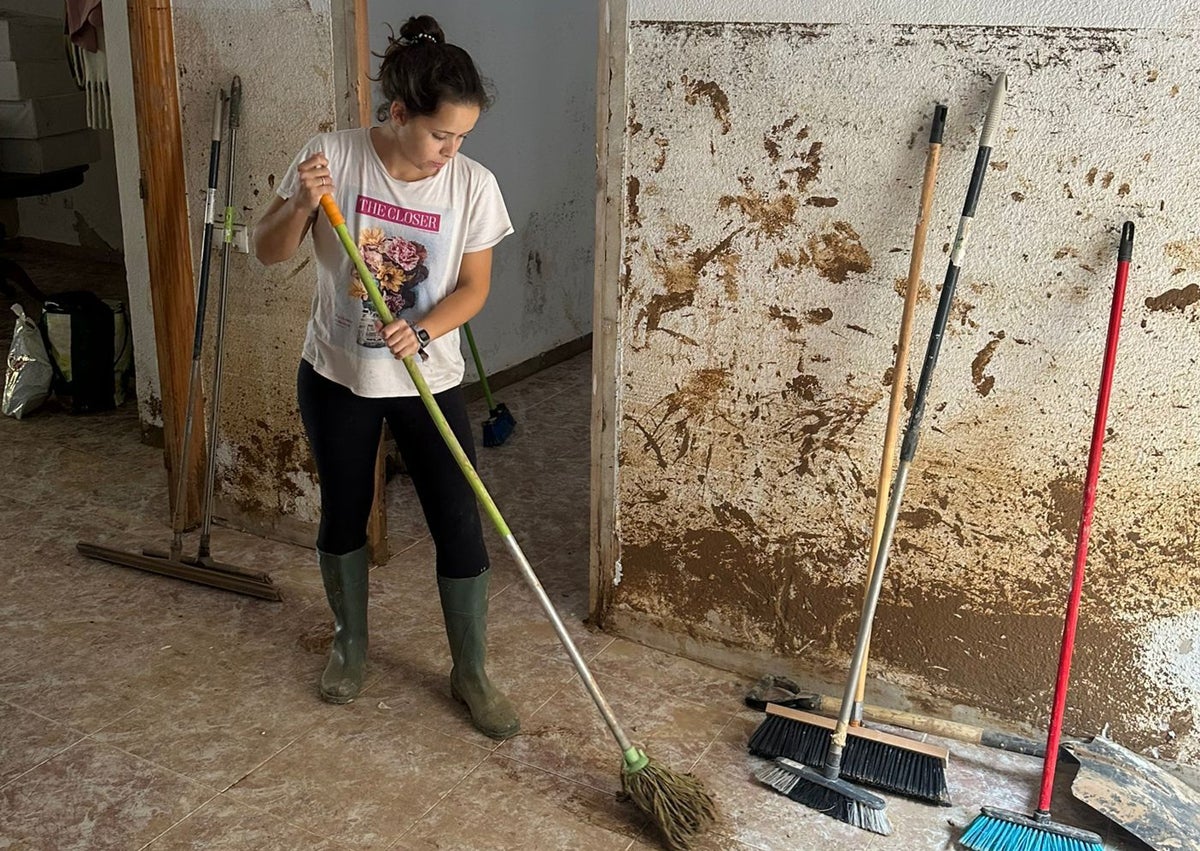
(423, 336)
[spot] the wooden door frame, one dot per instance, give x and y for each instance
(169, 252)
(613, 26)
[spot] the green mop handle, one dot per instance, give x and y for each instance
(635, 760)
(483, 382)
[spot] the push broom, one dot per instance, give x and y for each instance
(500, 423)
(201, 569)
(1003, 830)
(678, 803)
(915, 769)
(824, 789)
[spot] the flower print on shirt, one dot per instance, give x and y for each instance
(399, 266)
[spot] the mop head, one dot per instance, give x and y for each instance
(499, 427)
(1003, 830)
(887, 764)
(678, 803)
(834, 797)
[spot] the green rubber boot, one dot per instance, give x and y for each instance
(345, 580)
(465, 605)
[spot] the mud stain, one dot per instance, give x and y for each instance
(788, 260)
(984, 382)
(817, 201)
(728, 274)
(816, 316)
(809, 169)
(660, 159)
(924, 290)
(1066, 499)
(699, 393)
(680, 279)
(771, 218)
(711, 92)
(1185, 253)
(1177, 299)
(839, 253)
(634, 186)
(819, 315)
(680, 233)
(774, 139)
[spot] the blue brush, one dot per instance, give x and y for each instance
(1004, 830)
(500, 424)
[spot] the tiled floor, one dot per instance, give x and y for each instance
(138, 711)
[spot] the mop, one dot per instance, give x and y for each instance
(201, 569)
(678, 803)
(1004, 830)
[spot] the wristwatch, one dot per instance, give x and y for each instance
(422, 338)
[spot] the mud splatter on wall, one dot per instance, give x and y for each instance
(265, 478)
(771, 188)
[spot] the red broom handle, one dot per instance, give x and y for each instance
(1124, 255)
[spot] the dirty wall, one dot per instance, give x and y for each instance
(284, 52)
(771, 180)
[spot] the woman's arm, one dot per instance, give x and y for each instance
(283, 227)
(461, 305)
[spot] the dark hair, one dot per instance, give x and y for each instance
(422, 71)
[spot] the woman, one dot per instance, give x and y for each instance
(426, 220)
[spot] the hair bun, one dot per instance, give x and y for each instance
(422, 29)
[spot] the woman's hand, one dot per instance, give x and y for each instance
(315, 181)
(400, 339)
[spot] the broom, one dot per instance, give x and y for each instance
(1003, 830)
(825, 790)
(498, 426)
(678, 803)
(914, 769)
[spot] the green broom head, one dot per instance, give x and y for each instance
(1003, 830)
(830, 795)
(678, 803)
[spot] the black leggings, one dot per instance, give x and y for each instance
(343, 432)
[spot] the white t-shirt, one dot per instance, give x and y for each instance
(412, 237)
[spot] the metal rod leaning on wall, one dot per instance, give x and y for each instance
(214, 413)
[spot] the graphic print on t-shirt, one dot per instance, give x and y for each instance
(401, 252)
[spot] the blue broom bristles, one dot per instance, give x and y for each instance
(990, 832)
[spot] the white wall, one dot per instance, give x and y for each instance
(133, 222)
(539, 140)
(88, 215)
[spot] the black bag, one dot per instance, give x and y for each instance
(88, 339)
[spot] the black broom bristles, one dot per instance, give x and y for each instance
(832, 796)
(871, 763)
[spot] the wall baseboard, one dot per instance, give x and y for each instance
(505, 377)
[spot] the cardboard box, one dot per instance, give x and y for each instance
(25, 80)
(52, 153)
(50, 116)
(30, 38)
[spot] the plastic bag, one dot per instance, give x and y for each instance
(27, 382)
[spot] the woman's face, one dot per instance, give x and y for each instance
(427, 142)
